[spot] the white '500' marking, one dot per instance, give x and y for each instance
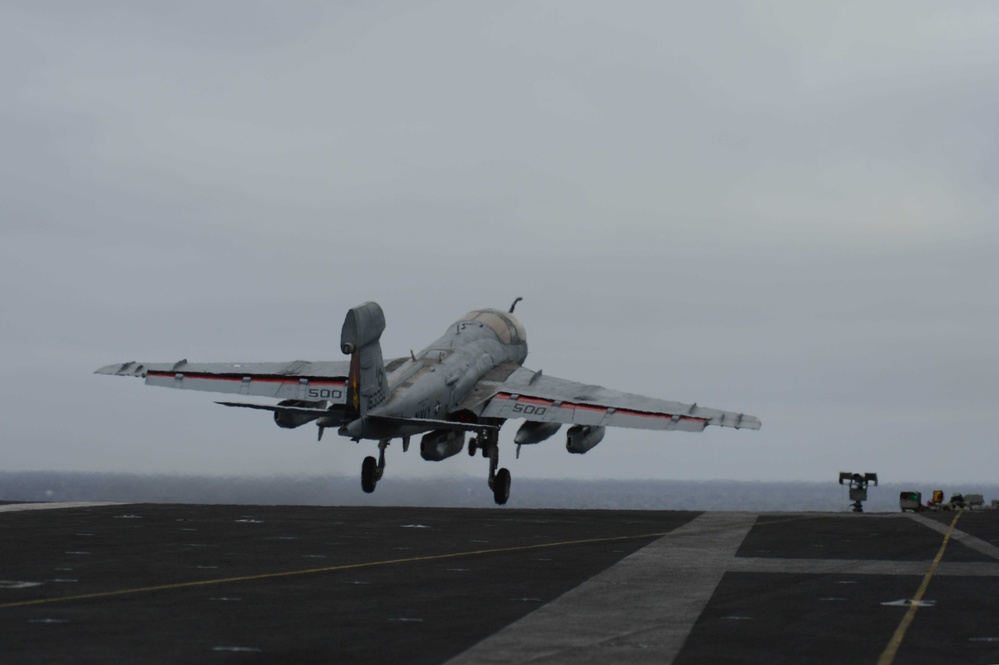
(325, 393)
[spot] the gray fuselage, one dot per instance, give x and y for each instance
(433, 383)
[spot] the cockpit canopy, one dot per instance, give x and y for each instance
(505, 325)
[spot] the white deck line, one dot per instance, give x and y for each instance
(860, 567)
(638, 611)
(17, 507)
(963, 537)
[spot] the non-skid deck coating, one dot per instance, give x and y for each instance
(234, 584)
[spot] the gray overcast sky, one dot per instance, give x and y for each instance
(782, 208)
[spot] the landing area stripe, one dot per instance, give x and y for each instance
(325, 569)
(43, 505)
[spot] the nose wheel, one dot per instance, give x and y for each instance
(372, 470)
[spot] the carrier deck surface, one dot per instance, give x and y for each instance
(169, 583)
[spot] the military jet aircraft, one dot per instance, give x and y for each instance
(471, 380)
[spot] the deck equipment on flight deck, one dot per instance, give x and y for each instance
(910, 501)
(858, 487)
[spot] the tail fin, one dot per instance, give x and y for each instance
(359, 338)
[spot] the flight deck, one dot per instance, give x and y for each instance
(167, 583)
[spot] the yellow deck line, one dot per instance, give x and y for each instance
(313, 571)
(888, 655)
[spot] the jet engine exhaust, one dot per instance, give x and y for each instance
(441, 444)
(535, 432)
(582, 438)
(287, 420)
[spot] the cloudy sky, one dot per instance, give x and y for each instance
(782, 208)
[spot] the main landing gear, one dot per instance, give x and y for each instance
(372, 470)
(499, 481)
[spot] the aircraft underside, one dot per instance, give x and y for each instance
(436, 446)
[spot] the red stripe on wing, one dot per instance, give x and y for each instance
(584, 407)
(663, 416)
(535, 400)
(599, 409)
(253, 379)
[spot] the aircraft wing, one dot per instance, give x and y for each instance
(298, 379)
(533, 396)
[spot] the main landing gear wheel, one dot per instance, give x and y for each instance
(369, 473)
(473, 445)
(501, 487)
(499, 479)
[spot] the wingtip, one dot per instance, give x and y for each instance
(131, 368)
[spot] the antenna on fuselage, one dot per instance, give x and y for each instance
(515, 303)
